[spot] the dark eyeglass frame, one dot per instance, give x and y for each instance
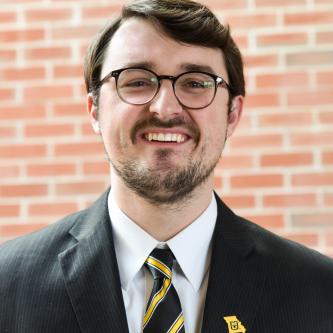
(218, 80)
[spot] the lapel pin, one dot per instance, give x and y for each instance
(234, 325)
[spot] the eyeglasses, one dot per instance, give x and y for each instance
(139, 86)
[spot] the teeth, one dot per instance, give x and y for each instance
(165, 137)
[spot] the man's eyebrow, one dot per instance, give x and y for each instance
(197, 67)
(140, 64)
(186, 67)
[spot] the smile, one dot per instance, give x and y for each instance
(165, 137)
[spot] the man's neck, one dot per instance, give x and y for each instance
(161, 221)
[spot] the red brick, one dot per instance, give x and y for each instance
(269, 60)
(68, 71)
(59, 208)
(47, 53)
(239, 201)
(312, 220)
(241, 41)
(29, 190)
(226, 4)
(256, 181)
(267, 221)
(9, 171)
(80, 188)
(281, 80)
(8, 55)
(313, 179)
(326, 117)
(256, 140)
(327, 157)
(16, 230)
(100, 11)
(48, 15)
(7, 132)
(82, 32)
(312, 139)
(7, 17)
(99, 168)
(308, 239)
(70, 109)
(289, 200)
(6, 94)
(325, 37)
(236, 161)
(311, 98)
(47, 130)
(9, 210)
(19, 74)
(74, 149)
(325, 78)
(286, 119)
(282, 39)
(250, 21)
(328, 199)
(287, 159)
(24, 35)
(262, 100)
(27, 111)
(310, 58)
(82, 90)
(278, 3)
(51, 169)
(313, 17)
(22, 151)
(38, 93)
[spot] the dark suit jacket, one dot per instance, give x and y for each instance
(65, 278)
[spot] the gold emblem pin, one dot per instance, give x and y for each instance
(234, 325)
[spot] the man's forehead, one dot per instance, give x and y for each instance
(139, 41)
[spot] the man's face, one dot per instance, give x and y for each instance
(161, 171)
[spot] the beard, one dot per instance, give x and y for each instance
(166, 184)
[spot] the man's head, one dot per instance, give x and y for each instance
(176, 54)
(185, 21)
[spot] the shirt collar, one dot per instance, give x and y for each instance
(191, 247)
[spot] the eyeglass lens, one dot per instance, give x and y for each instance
(193, 89)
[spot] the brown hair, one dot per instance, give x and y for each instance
(185, 21)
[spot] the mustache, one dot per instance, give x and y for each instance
(170, 123)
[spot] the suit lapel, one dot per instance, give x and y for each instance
(91, 274)
(236, 277)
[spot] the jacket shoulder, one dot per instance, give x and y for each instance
(289, 258)
(40, 244)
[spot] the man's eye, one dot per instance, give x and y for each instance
(193, 84)
(196, 84)
(138, 83)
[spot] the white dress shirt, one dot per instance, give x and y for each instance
(192, 250)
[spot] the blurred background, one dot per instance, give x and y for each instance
(276, 170)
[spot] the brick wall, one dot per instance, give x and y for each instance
(277, 169)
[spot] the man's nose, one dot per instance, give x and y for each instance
(165, 104)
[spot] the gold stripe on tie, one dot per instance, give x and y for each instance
(158, 297)
(159, 265)
(177, 325)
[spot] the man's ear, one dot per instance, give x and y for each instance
(234, 114)
(92, 109)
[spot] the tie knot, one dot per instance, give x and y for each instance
(160, 263)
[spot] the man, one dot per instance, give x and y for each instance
(159, 252)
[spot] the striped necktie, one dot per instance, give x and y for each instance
(163, 313)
